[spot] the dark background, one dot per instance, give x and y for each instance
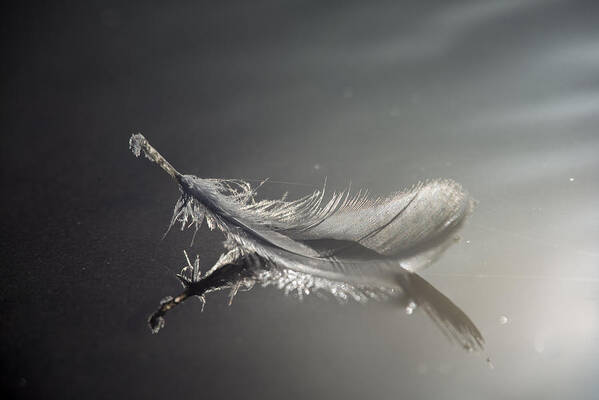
(502, 96)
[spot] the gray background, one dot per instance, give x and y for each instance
(502, 96)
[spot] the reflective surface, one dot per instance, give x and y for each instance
(501, 96)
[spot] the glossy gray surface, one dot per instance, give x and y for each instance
(501, 96)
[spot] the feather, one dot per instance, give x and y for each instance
(350, 247)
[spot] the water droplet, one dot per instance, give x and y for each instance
(503, 320)
(410, 308)
(316, 167)
(571, 179)
(539, 344)
(467, 241)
